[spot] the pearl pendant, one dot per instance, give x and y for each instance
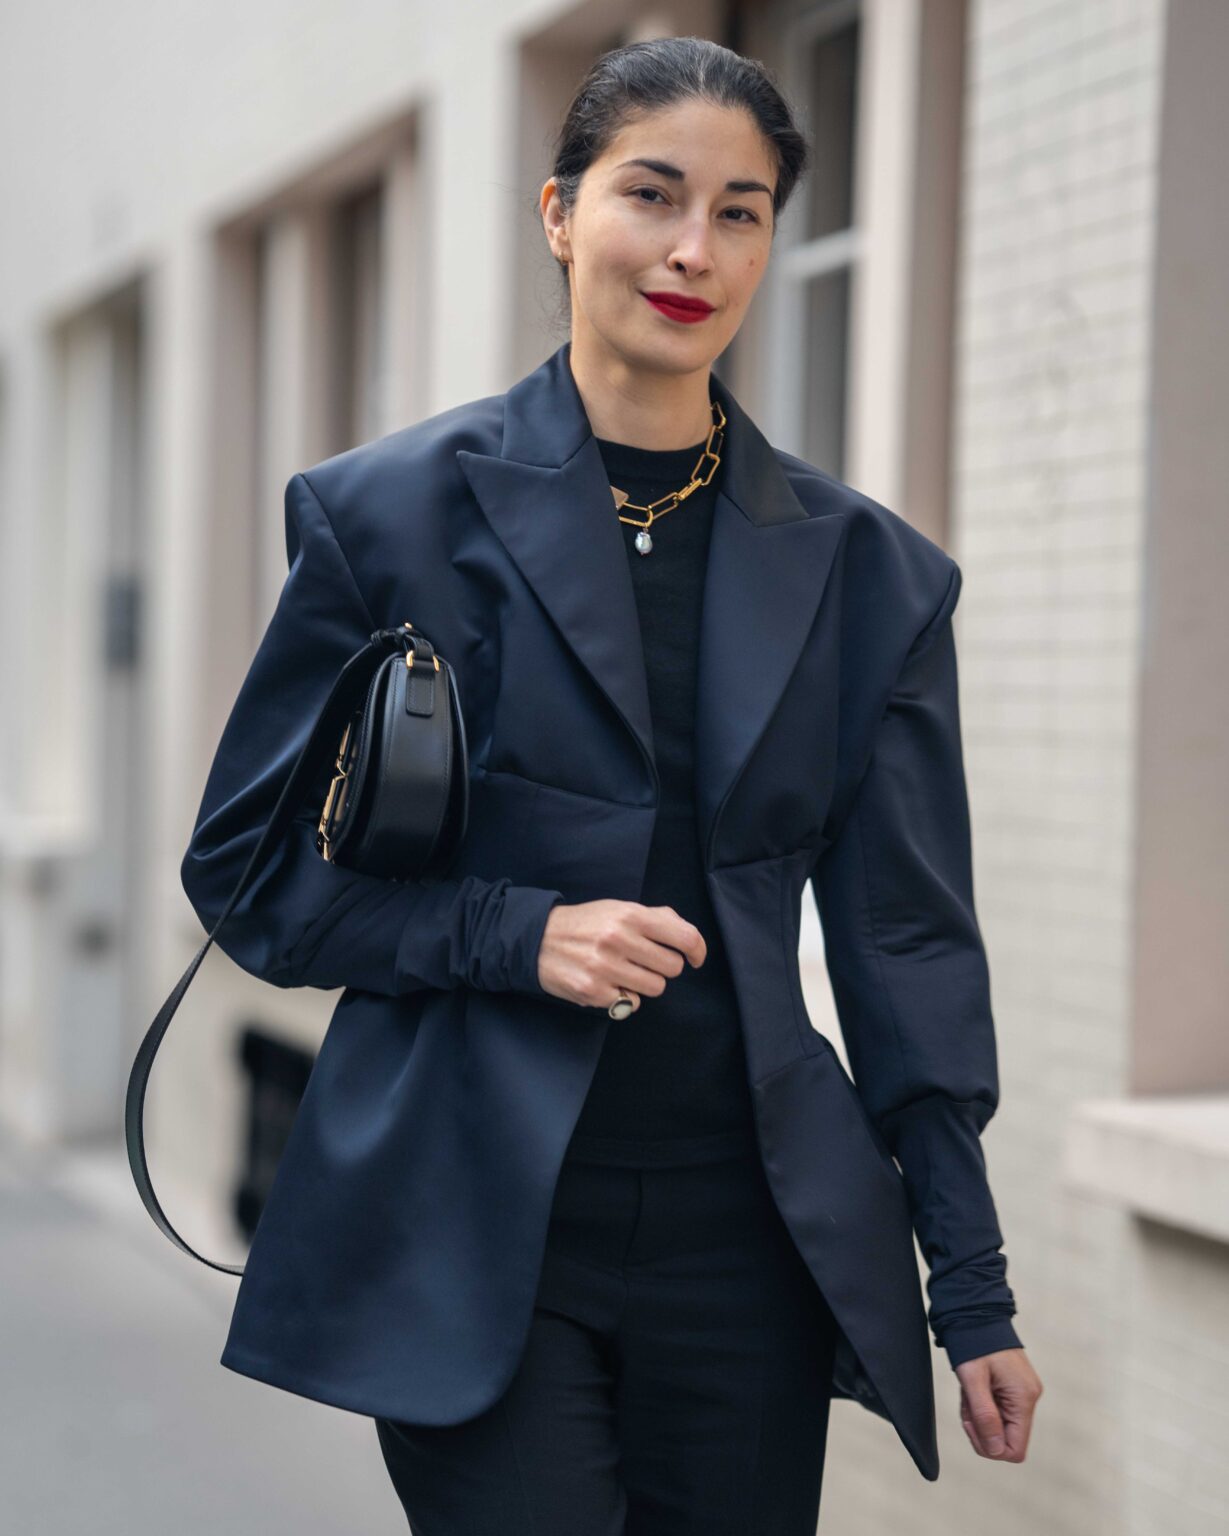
(643, 541)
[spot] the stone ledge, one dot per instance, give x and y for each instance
(1164, 1156)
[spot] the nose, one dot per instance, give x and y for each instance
(692, 251)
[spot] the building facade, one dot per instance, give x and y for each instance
(236, 243)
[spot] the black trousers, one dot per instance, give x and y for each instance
(676, 1379)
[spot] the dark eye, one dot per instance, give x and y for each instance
(751, 218)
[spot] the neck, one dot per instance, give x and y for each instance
(642, 407)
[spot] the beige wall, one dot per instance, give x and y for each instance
(1039, 363)
(1090, 329)
(1181, 971)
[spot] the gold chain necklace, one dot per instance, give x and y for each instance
(711, 455)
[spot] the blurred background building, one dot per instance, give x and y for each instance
(239, 239)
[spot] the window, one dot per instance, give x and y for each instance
(816, 265)
(318, 348)
(360, 331)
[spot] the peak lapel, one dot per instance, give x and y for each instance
(768, 565)
(547, 498)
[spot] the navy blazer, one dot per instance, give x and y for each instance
(394, 1267)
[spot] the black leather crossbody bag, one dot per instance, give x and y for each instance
(397, 806)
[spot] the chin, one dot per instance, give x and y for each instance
(672, 348)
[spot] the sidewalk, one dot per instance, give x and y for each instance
(116, 1418)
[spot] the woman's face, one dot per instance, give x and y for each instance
(676, 226)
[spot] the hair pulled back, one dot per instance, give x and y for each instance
(629, 83)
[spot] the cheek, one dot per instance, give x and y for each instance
(604, 289)
(744, 279)
(612, 253)
(753, 271)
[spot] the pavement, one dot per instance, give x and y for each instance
(115, 1415)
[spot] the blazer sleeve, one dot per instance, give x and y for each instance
(304, 921)
(911, 984)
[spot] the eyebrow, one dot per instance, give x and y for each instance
(663, 168)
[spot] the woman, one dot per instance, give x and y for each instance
(577, 1205)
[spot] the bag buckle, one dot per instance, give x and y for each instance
(409, 641)
(324, 829)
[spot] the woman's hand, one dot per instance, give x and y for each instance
(998, 1393)
(590, 949)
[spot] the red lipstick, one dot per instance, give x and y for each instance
(678, 306)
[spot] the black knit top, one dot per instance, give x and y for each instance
(671, 1082)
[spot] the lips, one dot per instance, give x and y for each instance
(678, 306)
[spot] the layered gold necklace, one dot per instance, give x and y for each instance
(710, 457)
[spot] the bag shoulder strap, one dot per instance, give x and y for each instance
(351, 681)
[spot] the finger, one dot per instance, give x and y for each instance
(641, 979)
(664, 926)
(966, 1421)
(984, 1416)
(1018, 1426)
(643, 966)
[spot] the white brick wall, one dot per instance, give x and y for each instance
(1126, 1324)
(1051, 465)
(1048, 519)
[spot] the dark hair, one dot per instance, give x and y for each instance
(628, 83)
